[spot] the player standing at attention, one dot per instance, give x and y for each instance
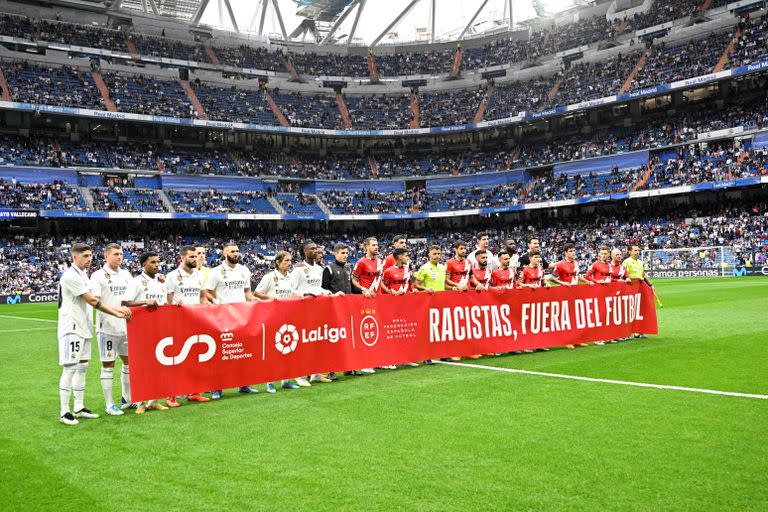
(503, 278)
(148, 291)
(430, 277)
(230, 283)
(525, 259)
(398, 242)
(532, 275)
(278, 285)
(204, 269)
(483, 240)
(307, 278)
(481, 270)
(112, 285)
(367, 274)
(458, 270)
(184, 285)
(75, 330)
(397, 279)
(618, 270)
(600, 271)
(636, 271)
(566, 273)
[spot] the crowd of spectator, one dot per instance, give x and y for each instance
(56, 195)
(63, 86)
(34, 263)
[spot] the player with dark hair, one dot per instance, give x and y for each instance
(566, 273)
(458, 270)
(398, 242)
(75, 330)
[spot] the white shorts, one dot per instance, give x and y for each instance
(73, 349)
(111, 346)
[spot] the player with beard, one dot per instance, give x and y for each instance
(503, 278)
(230, 283)
(566, 273)
(397, 279)
(75, 330)
(483, 241)
(148, 292)
(481, 270)
(398, 242)
(307, 279)
(525, 259)
(367, 274)
(458, 270)
(184, 285)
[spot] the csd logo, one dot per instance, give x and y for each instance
(286, 339)
(195, 338)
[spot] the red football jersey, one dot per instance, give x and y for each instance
(567, 271)
(533, 275)
(397, 279)
(368, 272)
(483, 275)
(389, 261)
(618, 272)
(504, 278)
(458, 271)
(599, 271)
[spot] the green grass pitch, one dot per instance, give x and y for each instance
(430, 438)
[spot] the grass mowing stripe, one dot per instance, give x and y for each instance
(607, 381)
(52, 328)
(30, 319)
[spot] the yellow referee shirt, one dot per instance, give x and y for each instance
(635, 267)
(432, 276)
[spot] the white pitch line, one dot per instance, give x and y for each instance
(608, 381)
(31, 319)
(52, 328)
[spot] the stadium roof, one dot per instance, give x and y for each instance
(357, 22)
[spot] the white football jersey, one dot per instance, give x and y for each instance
(277, 285)
(149, 288)
(229, 283)
(75, 315)
(112, 288)
(185, 286)
(308, 279)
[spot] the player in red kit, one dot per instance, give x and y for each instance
(566, 273)
(618, 270)
(600, 271)
(366, 276)
(481, 271)
(458, 270)
(397, 278)
(398, 242)
(532, 276)
(503, 278)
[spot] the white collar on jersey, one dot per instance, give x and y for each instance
(109, 271)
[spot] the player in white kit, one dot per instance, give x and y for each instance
(149, 292)
(278, 285)
(75, 330)
(113, 285)
(230, 283)
(184, 285)
(307, 277)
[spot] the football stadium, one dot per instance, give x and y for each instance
(366, 255)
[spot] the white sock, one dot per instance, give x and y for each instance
(78, 385)
(106, 385)
(125, 380)
(65, 387)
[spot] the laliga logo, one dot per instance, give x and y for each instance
(286, 339)
(195, 338)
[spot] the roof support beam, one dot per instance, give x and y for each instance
(397, 20)
(339, 21)
(279, 19)
(432, 23)
(199, 13)
(354, 23)
(264, 6)
(231, 15)
(472, 20)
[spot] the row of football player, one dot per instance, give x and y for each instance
(112, 290)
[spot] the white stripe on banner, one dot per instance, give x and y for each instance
(608, 381)
(29, 318)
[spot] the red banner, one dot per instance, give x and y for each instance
(184, 349)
